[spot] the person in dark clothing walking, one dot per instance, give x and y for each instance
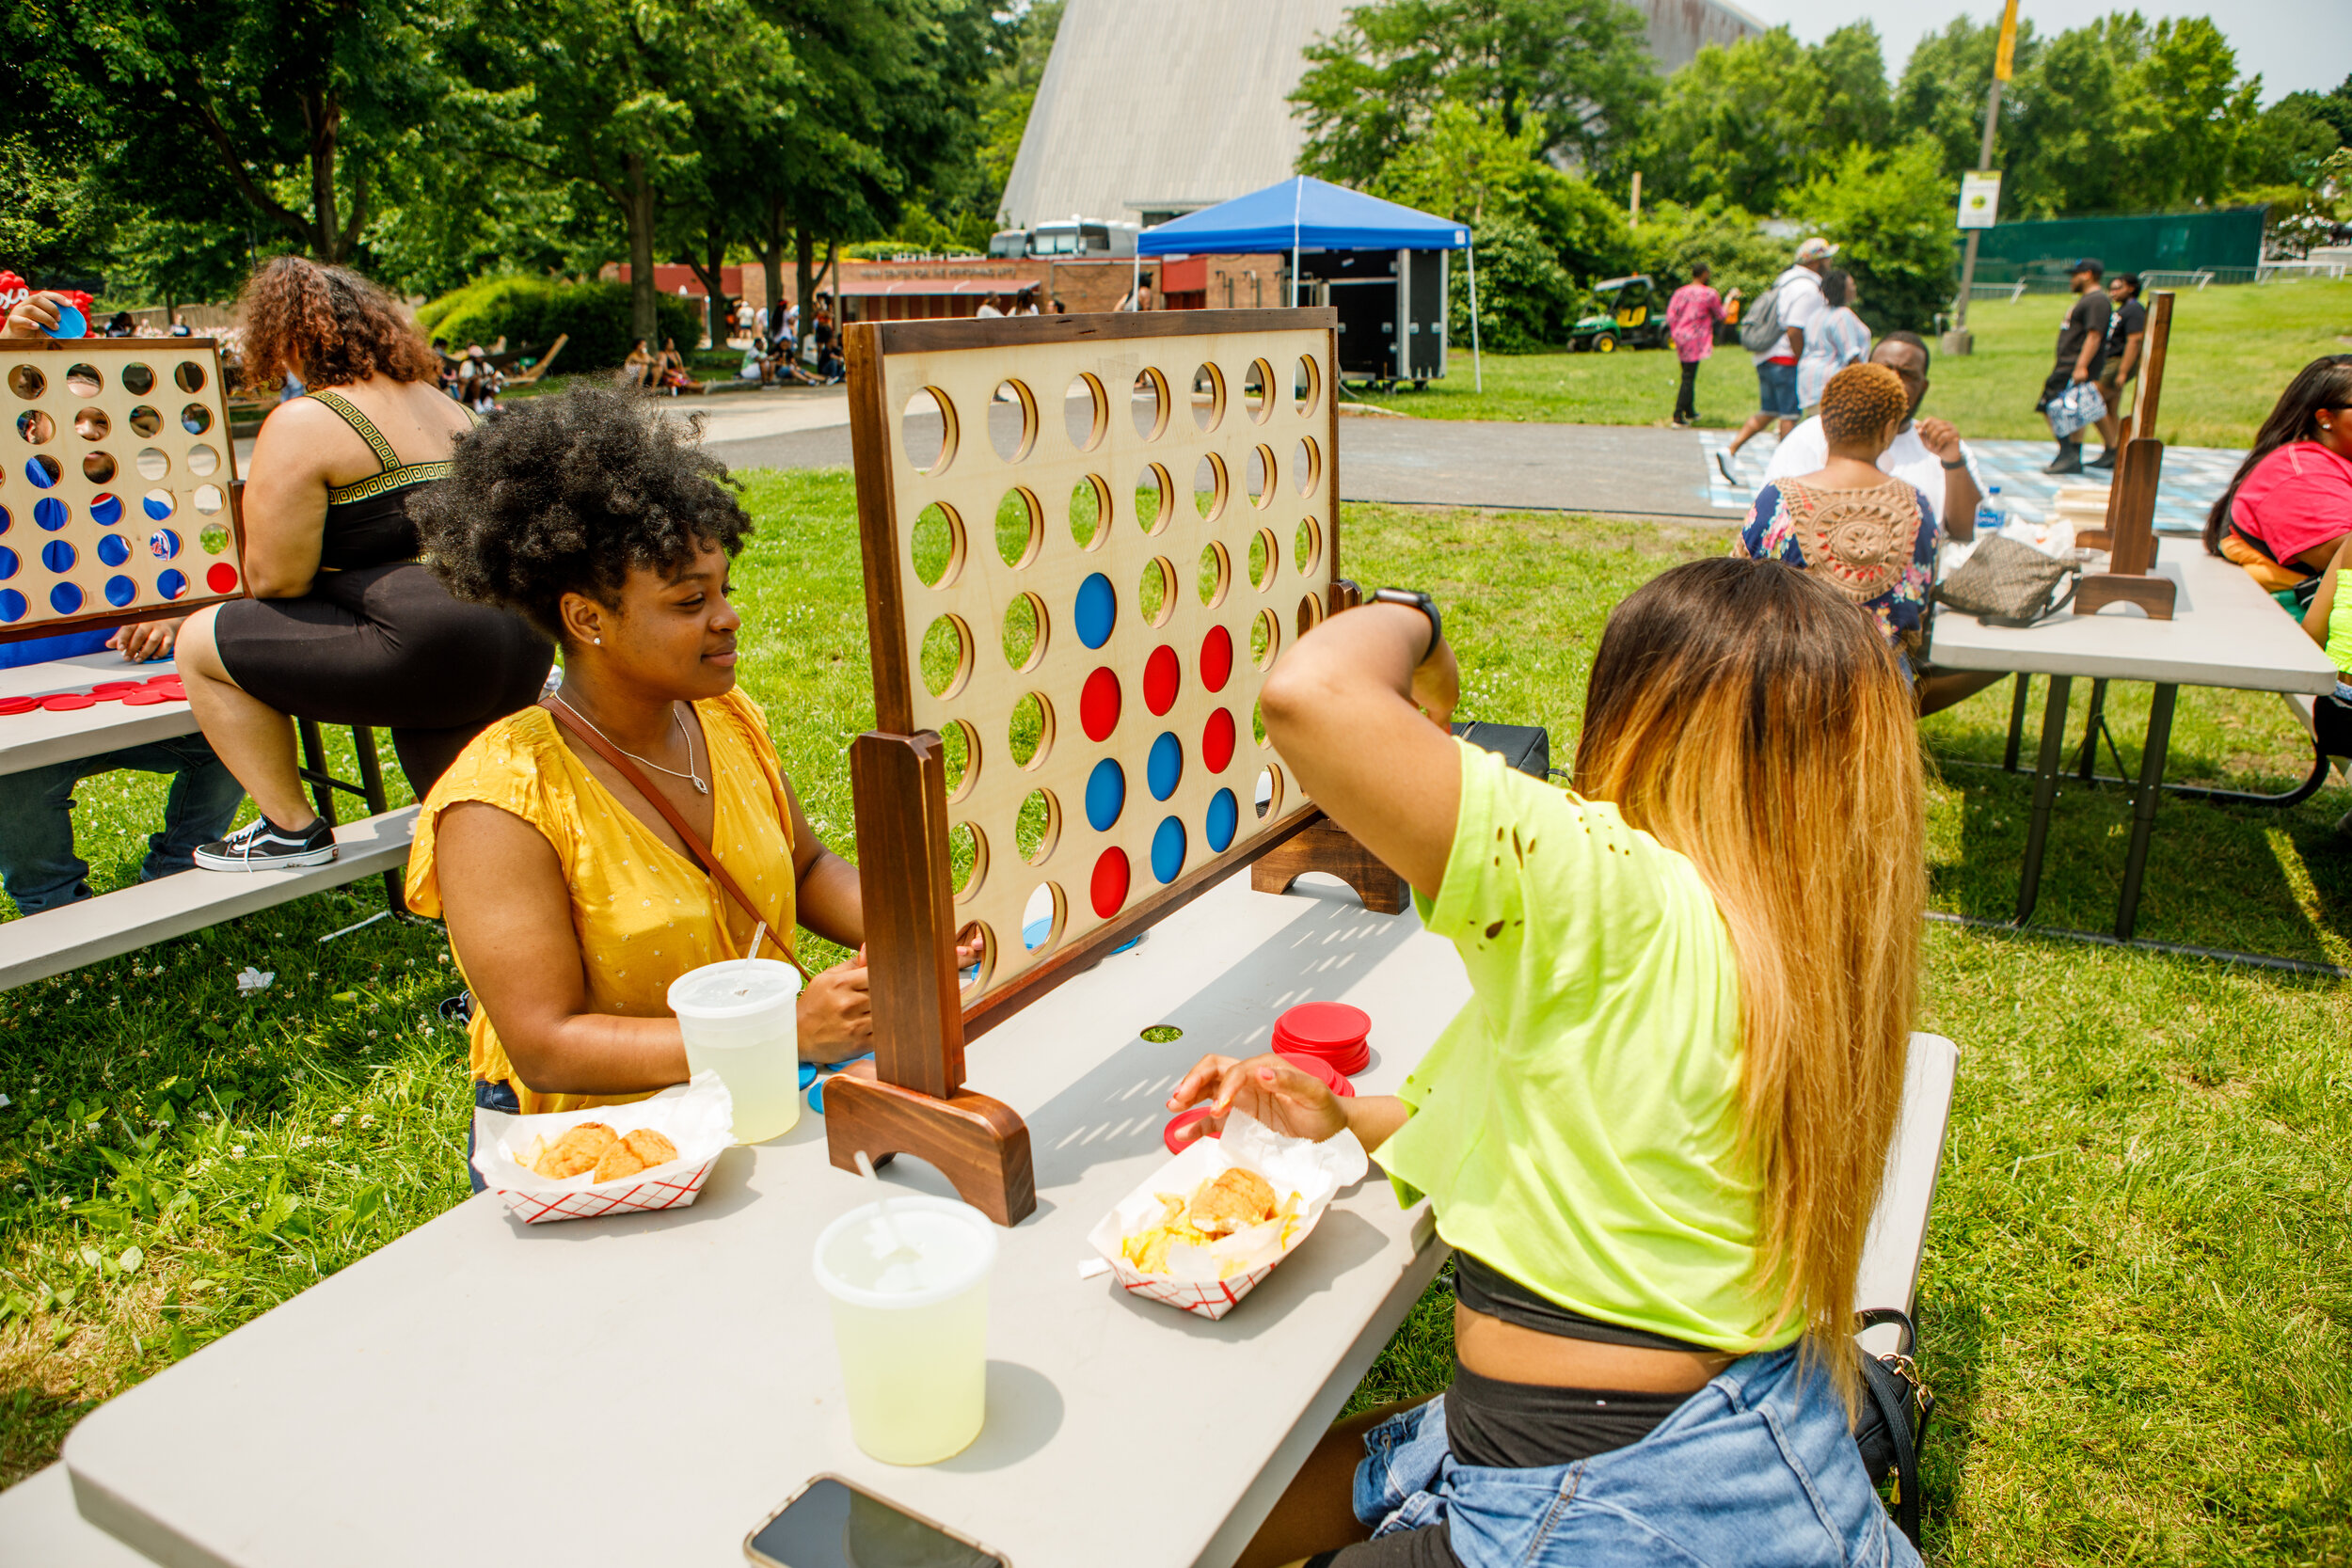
(2127, 330)
(2081, 342)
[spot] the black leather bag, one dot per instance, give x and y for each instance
(1893, 1421)
(1525, 747)
(2009, 583)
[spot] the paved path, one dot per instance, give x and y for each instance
(1636, 470)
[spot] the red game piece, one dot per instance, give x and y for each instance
(1317, 1067)
(1183, 1120)
(1217, 741)
(1109, 888)
(68, 702)
(221, 579)
(150, 696)
(1216, 659)
(1162, 675)
(1098, 704)
(17, 704)
(116, 689)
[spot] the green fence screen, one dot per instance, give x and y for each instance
(2144, 241)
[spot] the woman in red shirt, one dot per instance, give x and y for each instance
(2291, 502)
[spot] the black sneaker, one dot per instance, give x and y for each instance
(261, 845)
(2105, 460)
(2068, 462)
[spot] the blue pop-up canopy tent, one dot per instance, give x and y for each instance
(1303, 213)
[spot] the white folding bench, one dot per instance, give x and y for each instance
(41, 1528)
(1889, 1275)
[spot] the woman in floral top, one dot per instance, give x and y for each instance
(1870, 537)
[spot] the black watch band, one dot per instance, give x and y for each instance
(1956, 463)
(1412, 598)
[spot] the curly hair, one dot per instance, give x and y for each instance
(1861, 401)
(567, 495)
(326, 327)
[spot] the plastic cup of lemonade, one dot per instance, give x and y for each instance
(741, 1019)
(912, 1326)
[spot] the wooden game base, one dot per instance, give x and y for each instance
(980, 1145)
(2154, 594)
(1323, 846)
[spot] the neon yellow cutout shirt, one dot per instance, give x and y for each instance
(1576, 1127)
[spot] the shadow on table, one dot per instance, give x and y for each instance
(1117, 1109)
(2240, 878)
(1024, 1411)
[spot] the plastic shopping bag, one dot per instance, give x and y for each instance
(2077, 406)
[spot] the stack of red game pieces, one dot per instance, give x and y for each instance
(1332, 1033)
(146, 693)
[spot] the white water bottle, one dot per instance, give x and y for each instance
(1992, 512)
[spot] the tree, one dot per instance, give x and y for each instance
(209, 115)
(1022, 47)
(1579, 71)
(1891, 214)
(1743, 125)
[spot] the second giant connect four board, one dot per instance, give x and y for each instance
(1096, 536)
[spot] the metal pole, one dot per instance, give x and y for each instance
(1957, 341)
(1478, 366)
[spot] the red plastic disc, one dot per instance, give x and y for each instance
(221, 579)
(1323, 1027)
(116, 689)
(169, 677)
(17, 704)
(1217, 741)
(1109, 887)
(1322, 1069)
(1182, 1119)
(149, 696)
(1098, 704)
(68, 702)
(171, 686)
(1162, 675)
(1216, 659)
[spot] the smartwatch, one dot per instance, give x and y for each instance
(1956, 463)
(1412, 598)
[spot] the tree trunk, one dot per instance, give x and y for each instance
(643, 323)
(322, 116)
(772, 264)
(804, 247)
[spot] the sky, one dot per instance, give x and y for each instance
(2293, 44)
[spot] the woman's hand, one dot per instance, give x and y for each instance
(34, 315)
(145, 640)
(1268, 1088)
(836, 1012)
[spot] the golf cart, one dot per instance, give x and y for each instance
(1628, 314)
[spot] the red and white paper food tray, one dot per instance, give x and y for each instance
(1316, 1172)
(698, 1117)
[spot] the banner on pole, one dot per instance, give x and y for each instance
(2005, 55)
(1980, 198)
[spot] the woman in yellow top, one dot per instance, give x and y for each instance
(1655, 1134)
(571, 903)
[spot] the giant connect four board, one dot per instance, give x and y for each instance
(1088, 540)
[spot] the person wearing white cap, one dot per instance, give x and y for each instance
(1795, 301)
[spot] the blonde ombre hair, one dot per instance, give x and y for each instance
(1749, 719)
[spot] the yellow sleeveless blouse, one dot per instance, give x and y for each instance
(643, 913)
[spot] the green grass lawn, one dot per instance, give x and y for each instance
(2233, 351)
(2139, 1273)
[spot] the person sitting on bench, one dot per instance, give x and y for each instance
(38, 865)
(1655, 1134)
(344, 625)
(2290, 502)
(572, 900)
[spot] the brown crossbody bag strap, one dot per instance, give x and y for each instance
(696, 851)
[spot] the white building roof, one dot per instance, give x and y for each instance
(1169, 105)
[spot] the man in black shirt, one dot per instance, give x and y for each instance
(2081, 342)
(2127, 329)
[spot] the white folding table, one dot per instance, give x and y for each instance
(38, 739)
(2225, 632)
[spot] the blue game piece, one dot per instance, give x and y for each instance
(71, 324)
(1097, 610)
(1224, 816)
(1167, 849)
(1106, 795)
(1165, 767)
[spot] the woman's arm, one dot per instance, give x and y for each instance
(285, 499)
(2323, 602)
(1358, 710)
(1276, 1092)
(510, 923)
(828, 900)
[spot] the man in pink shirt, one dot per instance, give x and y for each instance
(1691, 317)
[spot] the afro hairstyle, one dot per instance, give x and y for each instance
(567, 495)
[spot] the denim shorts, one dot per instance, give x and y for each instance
(1756, 1468)
(1776, 391)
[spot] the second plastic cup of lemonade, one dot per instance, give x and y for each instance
(741, 1019)
(911, 1325)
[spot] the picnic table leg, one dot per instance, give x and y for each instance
(2087, 764)
(2017, 720)
(2045, 782)
(2144, 799)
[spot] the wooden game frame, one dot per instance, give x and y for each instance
(2130, 535)
(914, 1101)
(20, 497)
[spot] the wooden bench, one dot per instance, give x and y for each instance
(38, 945)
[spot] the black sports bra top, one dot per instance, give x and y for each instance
(367, 521)
(1482, 1290)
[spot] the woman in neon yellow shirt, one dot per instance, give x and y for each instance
(1655, 1134)
(2328, 622)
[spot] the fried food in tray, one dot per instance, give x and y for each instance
(592, 1147)
(1226, 1204)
